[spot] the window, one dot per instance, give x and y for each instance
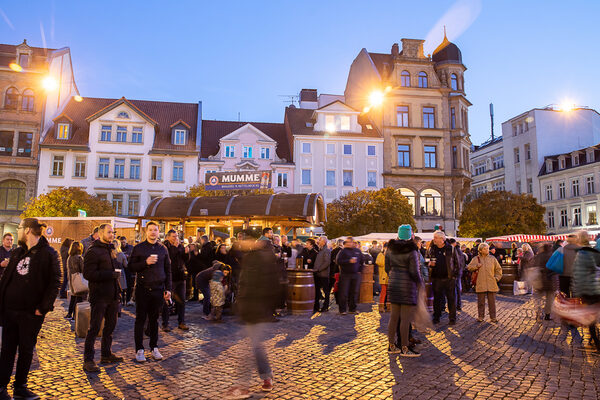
(498, 162)
(117, 202)
(134, 169)
(12, 195)
(63, 131)
(402, 114)
(306, 148)
(347, 178)
(548, 192)
(591, 214)
(105, 133)
(230, 151)
(453, 82)
(562, 192)
(156, 170)
(330, 178)
(344, 123)
(479, 168)
(422, 79)
(134, 204)
(577, 216)
(550, 219)
(370, 150)
(123, 114)
(121, 134)
(179, 137)
(527, 152)
(498, 185)
(454, 157)
(246, 151)
(589, 184)
(136, 134)
(330, 148)
(519, 190)
(282, 179)
(520, 128)
(429, 117)
(57, 165)
(103, 165)
(178, 171)
(430, 161)
(329, 123)
(575, 188)
(347, 149)
(561, 163)
(548, 166)
(403, 155)
(410, 195)
(526, 126)
(430, 202)
(264, 153)
(6, 142)
(372, 179)
(564, 220)
(517, 157)
(11, 99)
(119, 168)
(405, 79)
(590, 156)
(306, 176)
(27, 100)
(514, 130)
(529, 186)
(576, 160)
(24, 144)
(24, 60)
(452, 118)
(79, 170)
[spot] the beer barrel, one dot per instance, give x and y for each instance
(509, 275)
(300, 291)
(366, 284)
(429, 291)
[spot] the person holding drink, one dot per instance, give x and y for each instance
(350, 261)
(444, 272)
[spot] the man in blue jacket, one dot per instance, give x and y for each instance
(350, 260)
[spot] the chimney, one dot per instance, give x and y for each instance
(309, 99)
(395, 50)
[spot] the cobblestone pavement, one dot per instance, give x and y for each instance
(330, 356)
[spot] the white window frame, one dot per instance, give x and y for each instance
(374, 150)
(62, 165)
(173, 171)
(247, 151)
(375, 173)
(78, 161)
(327, 147)
(303, 148)
(344, 149)
(302, 182)
(63, 128)
(265, 153)
(229, 151)
(179, 137)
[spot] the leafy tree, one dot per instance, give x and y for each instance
(366, 211)
(502, 213)
(64, 202)
(200, 191)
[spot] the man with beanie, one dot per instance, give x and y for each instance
(349, 260)
(28, 289)
(444, 264)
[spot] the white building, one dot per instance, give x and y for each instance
(570, 187)
(529, 137)
(258, 146)
(336, 149)
(125, 151)
(487, 167)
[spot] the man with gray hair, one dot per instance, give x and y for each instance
(321, 268)
(444, 264)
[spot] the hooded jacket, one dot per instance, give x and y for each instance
(98, 269)
(402, 267)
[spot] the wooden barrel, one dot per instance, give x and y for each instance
(429, 291)
(509, 274)
(366, 284)
(300, 291)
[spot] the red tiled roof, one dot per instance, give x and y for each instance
(213, 131)
(296, 119)
(164, 113)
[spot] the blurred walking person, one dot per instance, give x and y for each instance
(542, 278)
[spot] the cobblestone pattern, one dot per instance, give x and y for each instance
(330, 356)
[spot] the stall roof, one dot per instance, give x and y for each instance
(305, 208)
(426, 236)
(527, 238)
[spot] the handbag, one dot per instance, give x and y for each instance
(520, 288)
(79, 284)
(475, 274)
(556, 261)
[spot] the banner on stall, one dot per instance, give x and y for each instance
(236, 180)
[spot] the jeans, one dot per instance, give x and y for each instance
(20, 331)
(444, 289)
(491, 299)
(148, 304)
(322, 283)
(205, 289)
(256, 334)
(178, 295)
(348, 290)
(65, 282)
(108, 311)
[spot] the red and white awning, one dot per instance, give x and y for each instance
(527, 238)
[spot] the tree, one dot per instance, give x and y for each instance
(366, 211)
(502, 213)
(64, 202)
(200, 191)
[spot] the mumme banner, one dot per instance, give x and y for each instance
(235, 180)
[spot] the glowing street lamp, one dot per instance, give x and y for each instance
(15, 67)
(49, 83)
(376, 98)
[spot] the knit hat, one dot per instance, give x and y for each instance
(217, 276)
(405, 232)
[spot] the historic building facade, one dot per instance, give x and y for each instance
(419, 103)
(487, 167)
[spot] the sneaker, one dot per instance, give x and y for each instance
(479, 319)
(409, 352)
(393, 349)
(90, 366)
(113, 358)
(183, 327)
(547, 317)
(156, 354)
(236, 393)
(4, 394)
(139, 356)
(267, 385)
(23, 393)
(166, 328)
(494, 321)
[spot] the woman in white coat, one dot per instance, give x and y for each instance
(489, 273)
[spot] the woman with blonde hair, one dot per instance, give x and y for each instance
(489, 273)
(74, 265)
(526, 261)
(121, 263)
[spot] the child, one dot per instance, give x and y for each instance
(217, 296)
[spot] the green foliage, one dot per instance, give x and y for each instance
(502, 213)
(64, 202)
(200, 191)
(366, 211)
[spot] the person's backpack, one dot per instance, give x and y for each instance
(556, 261)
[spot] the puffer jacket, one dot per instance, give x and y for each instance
(380, 262)
(585, 272)
(402, 267)
(489, 273)
(570, 252)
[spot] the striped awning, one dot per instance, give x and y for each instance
(527, 238)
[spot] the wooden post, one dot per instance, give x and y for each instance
(294, 235)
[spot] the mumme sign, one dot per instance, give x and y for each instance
(235, 180)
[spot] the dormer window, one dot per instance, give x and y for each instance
(309, 124)
(24, 60)
(576, 159)
(123, 114)
(590, 156)
(179, 136)
(337, 123)
(549, 166)
(561, 163)
(63, 131)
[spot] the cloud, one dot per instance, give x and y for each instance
(457, 20)
(5, 17)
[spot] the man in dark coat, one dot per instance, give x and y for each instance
(104, 295)
(350, 260)
(321, 267)
(87, 242)
(28, 289)
(177, 256)
(5, 251)
(444, 264)
(207, 253)
(309, 254)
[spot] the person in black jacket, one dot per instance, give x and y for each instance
(309, 254)
(150, 261)
(104, 296)
(445, 269)
(207, 253)
(5, 251)
(28, 289)
(178, 274)
(350, 260)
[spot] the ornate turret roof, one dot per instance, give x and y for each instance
(447, 52)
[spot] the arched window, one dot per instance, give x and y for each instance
(405, 79)
(453, 82)
(430, 201)
(11, 99)
(27, 100)
(410, 195)
(12, 195)
(422, 79)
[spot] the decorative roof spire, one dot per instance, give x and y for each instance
(444, 43)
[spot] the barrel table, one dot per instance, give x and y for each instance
(366, 284)
(509, 275)
(300, 291)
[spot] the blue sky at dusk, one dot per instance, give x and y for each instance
(240, 56)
